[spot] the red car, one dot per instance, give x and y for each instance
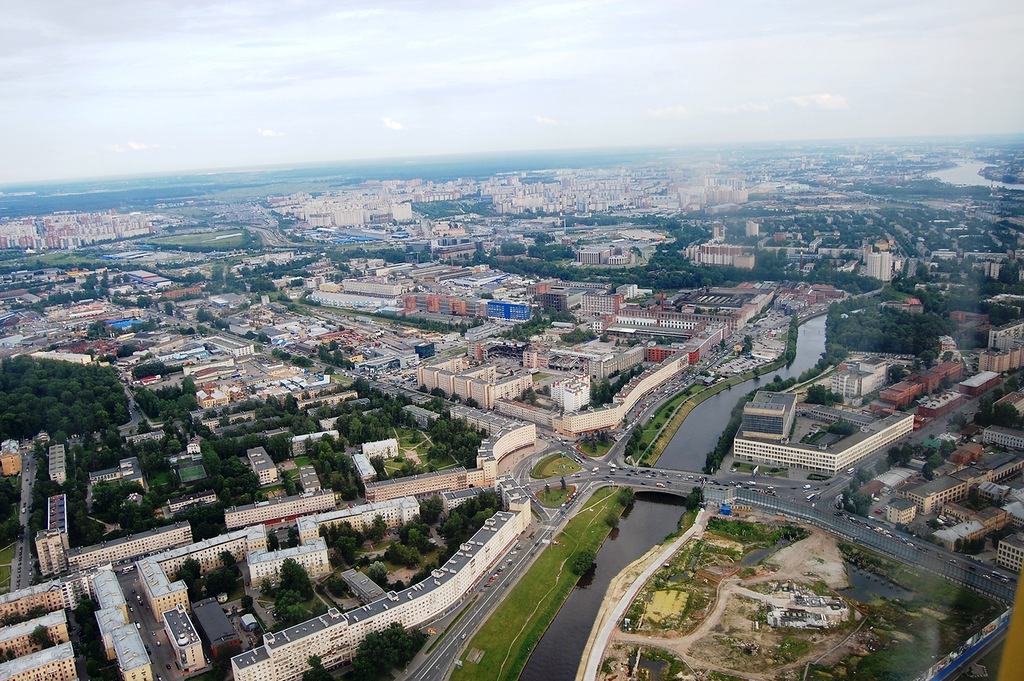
(878, 511)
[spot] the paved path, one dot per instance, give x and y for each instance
(597, 646)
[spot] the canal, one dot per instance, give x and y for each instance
(699, 433)
(559, 652)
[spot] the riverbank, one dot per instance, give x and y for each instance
(679, 412)
(623, 590)
(494, 654)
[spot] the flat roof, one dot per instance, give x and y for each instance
(50, 619)
(107, 589)
(212, 620)
(134, 537)
(57, 513)
(26, 663)
(264, 556)
(422, 476)
(183, 633)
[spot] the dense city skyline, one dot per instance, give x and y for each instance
(128, 88)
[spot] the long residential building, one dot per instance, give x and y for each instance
(52, 664)
(311, 555)
(52, 595)
(418, 485)
(277, 510)
(15, 640)
(334, 636)
(394, 513)
(129, 547)
(832, 459)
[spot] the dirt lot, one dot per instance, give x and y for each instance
(733, 638)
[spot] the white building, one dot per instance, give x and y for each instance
(312, 556)
(184, 640)
(572, 393)
(394, 512)
(385, 449)
(879, 265)
(831, 459)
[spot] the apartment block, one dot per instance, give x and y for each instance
(155, 572)
(394, 513)
(184, 640)
(1010, 554)
(417, 485)
(262, 466)
(129, 547)
(10, 457)
(385, 449)
(282, 508)
(51, 664)
(15, 639)
(312, 556)
(58, 464)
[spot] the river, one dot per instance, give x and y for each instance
(559, 652)
(700, 431)
(967, 174)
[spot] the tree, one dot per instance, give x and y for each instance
(295, 578)
(273, 543)
(316, 671)
(227, 559)
(246, 602)
(377, 529)
(39, 637)
(582, 560)
(563, 483)
(431, 509)
(378, 573)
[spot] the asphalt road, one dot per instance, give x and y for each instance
(21, 565)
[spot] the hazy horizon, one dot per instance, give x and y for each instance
(124, 88)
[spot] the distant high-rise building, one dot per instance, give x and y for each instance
(879, 265)
(719, 232)
(752, 228)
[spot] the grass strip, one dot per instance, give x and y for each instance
(536, 598)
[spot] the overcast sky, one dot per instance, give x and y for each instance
(134, 86)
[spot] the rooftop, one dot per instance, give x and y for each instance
(212, 620)
(26, 663)
(50, 619)
(264, 556)
(178, 623)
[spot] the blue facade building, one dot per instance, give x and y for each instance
(516, 312)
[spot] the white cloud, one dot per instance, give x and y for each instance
(129, 146)
(392, 124)
(668, 111)
(820, 101)
(264, 132)
(544, 120)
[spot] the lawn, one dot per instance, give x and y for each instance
(303, 461)
(553, 466)
(225, 239)
(6, 556)
(595, 448)
(533, 602)
(556, 496)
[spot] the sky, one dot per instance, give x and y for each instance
(123, 87)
